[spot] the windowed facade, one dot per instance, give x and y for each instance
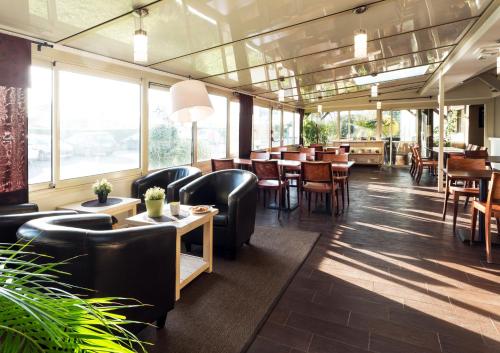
(211, 132)
(288, 130)
(260, 127)
(40, 125)
(363, 124)
(103, 136)
(296, 128)
(276, 128)
(169, 142)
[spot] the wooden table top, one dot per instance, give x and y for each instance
(449, 150)
(126, 203)
(469, 174)
(291, 163)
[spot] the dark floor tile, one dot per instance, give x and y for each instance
(264, 345)
(286, 335)
(383, 344)
(321, 344)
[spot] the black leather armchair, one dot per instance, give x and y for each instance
(137, 263)
(14, 216)
(234, 193)
(170, 179)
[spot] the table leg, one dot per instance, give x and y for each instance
(483, 195)
(178, 268)
(208, 251)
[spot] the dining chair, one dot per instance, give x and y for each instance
(291, 172)
(309, 151)
(346, 147)
(319, 154)
(317, 178)
(270, 179)
(222, 164)
(423, 163)
(477, 154)
(453, 188)
(490, 208)
(469, 147)
(340, 174)
(279, 149)
(316, 146)
(259, 155)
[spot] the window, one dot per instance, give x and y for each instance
(234, 131)
(344, 125)
(363, 124)
(276, 128)
(331, 127)
(169, 142)
(288, 131)
(99, 124)
(260, 128)
(211, 132)
(40, 125)
(296, 125)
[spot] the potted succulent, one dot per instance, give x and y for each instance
(102, 188)
(154, 198)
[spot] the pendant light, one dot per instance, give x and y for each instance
(360, 37)
(140, 38)
(498, 62)
(379, 105)
(374, 91)
(320, 109)
(190, 102)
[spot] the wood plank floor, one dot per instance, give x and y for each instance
(386, 276)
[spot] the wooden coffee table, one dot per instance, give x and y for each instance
(188, 267)
(125, 204)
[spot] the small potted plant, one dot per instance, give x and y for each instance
(154, 198)
(102, 188)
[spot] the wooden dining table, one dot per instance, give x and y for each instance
(484, 177)
(337, 166)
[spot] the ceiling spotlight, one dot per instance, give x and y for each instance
(140, 38)
(379, 105)
(281, 95)
(374, 91)
(320, 108)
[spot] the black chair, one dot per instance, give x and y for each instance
(137, 263)
(170, 179)
(234, 194)
(14, 216)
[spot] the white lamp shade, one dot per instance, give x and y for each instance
(281, 95)
(140, 46)
(374, 91)
(190, 101)
(320, 108)
(360, 44)
(498, 63)
(379, 105)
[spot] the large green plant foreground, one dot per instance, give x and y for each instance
(36, 316)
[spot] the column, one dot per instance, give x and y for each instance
(441, 133)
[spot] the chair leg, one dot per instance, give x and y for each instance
(160, 322)
(288, 196)
(347, 190)
(279, 202)
(309, 202)
(466, 202)
(473, 225)
(487, 235)
(342, 191)
(445, 205)
(332, 201)
(337, 199)
(456, 198)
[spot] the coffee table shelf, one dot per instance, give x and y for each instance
(191, 267)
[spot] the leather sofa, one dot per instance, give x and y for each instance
(234, 194)
(14, 216)
(170, 179)
(136, 263)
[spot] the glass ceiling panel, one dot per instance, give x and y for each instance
(374, 67)
(397, 45)
(381, 20)
(53, 20)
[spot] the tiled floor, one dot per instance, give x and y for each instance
(386, 276)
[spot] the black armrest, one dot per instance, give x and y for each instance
(198, 192)
(173, 189)
(94, 221)
(242, 203)
(20, 208)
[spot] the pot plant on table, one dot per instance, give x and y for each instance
(154, 199)
(102, 188)
(37, 314)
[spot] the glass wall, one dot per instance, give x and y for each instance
(100, 121)
(169, 142)
(40, 126)
(296, 128)
(260, 127)
(363, 124)
(345, 132)
(276, 127)
(288, 130)
(212, 131)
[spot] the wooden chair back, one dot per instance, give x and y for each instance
(477, 154)
(346, 147)
(494, 192)
(337, 158)
(469, 147)
(316, 172)
(259, 155)
(266, 170)
(294, 156)
(465, 164)
(309, 151)
(279, 149)
(316, 146)
(222, 164)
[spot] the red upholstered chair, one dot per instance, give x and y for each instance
(222, 164)
(270, 179)
(317, 178)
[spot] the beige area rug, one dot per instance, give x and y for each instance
(221, 312)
